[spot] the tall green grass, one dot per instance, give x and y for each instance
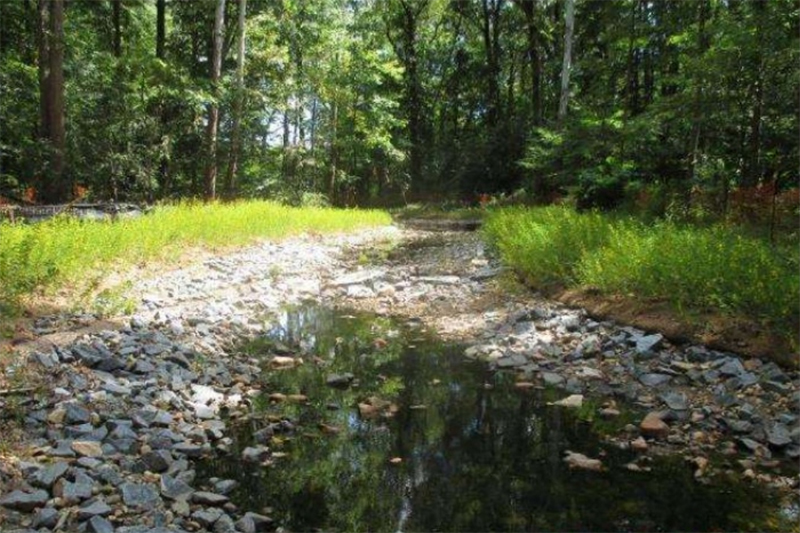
(64, 251)
(694, 268)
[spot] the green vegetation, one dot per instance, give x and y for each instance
(694, 268)
(65, 250)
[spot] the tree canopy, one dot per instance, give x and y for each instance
(367, 101)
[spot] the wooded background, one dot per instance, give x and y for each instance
(660, 103)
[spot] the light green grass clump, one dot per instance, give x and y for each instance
(63, 250)
(694, 268)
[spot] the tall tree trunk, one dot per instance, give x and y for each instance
(534, 56)
(697, 98)
(236, 134)
(53, 187)
(569, 17)
(161, 27)
(210, 181)
(752, 168)
(116, 15)
(334, 154)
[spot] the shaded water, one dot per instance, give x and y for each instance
(470, 451)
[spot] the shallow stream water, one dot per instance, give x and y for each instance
(440, 443)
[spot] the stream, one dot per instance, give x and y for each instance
(411, 436)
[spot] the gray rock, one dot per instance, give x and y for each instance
(738, 426)
(76, 414)
(25, 501)
(139, 495)
(676, 401)
(732, 367)
(778, 435)
(340, 381)
(254, 523)
(189, 449)
(174, 489)
(654, 380)
(74, 492)
(224, 524)
(646, 345)
(776, 387)
(92, 509)
(255, 454)
(46, 517)
(157, 461)
(552, 379)
(225, 486)
(47, 476)
(98, 524)
(207, 517)
(209, 498)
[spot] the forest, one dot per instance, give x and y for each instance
(671, 107)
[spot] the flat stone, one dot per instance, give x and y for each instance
(648, 343)
(46, 517)
(139, 495)
(732, 367)
(174, 489)
(778, 435)
(157, 461)
(254, 523)
(255, 454)
(573, 401)
(738, 426)
(676, 401)
(207, 517)
(76, 414)
(87, 448)
(653, 426)
(92, 509)
(25, 501)
(98, 524)
(654, 380)
(47, 476)
(74, 492)
(553, 379)
(209, 498)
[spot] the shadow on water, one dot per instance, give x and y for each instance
(475, 453)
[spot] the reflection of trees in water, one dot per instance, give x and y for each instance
(477, 458)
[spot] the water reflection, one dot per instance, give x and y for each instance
(471, 452)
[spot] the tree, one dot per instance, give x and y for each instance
(236, 133)
(569, 29)
(53, 187)
(210, 181)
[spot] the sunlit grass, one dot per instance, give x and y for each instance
(710, 268)
(64, 251)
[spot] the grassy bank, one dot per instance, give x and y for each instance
(694, 269)
(67, 251)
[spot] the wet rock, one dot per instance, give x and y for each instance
(255, 454)
(340, 381)
(582, 462)
(24, 501)
(47, 476)
(573, 401)
(654, 426)
(140, 495)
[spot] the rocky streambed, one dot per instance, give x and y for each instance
(162, 421)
